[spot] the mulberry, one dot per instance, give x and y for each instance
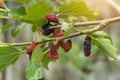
(87, 46)
(52, 18)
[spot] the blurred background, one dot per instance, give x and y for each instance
(73, 65)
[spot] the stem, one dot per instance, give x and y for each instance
(102, 24)
(98, 28)
(17, 44)
(28, 43)
(84, 24)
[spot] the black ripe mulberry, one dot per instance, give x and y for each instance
(87, 46)
(46, 29)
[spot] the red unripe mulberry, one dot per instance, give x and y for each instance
(61, 33)
(66, 45)
(52, 18)
(58, 33)
(31, 48)
(58, 44)
(69, 45)
(53, 52)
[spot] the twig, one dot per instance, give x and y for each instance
(84, 24)
(98, 28)
(102, 25)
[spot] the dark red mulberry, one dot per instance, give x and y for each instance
(69, 45)
(63, 45)
(61, 33)
(87, 46)
(53, 52)
(66, 45)
(52, 18)
(58, 44)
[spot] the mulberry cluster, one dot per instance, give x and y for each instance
(65, 44)
(57, 32)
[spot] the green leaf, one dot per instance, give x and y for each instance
(17, 12)
(34, 72)
(45, 61)
(36, 13)
(71, 56)
(5, 27)
(76, 8)
(18, 29)
(33, 28)
(8, 55)
(22, 1)
(105, 43)
(36, 55)
(101, 34)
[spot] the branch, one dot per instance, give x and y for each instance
(111, 20)
(98, 28)
(101, 25)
